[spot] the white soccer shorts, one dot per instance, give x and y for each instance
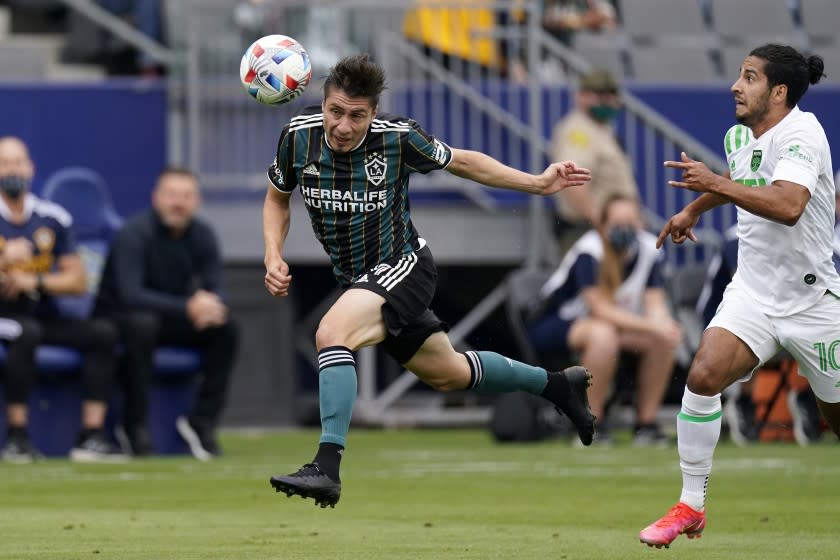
(811, 336)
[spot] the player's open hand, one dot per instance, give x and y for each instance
(562, 175)
(277, 277)
(696, 176)
(680, 227)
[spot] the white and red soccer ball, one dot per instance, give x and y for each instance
(275, 69)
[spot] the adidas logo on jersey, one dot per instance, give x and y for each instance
(311, 169)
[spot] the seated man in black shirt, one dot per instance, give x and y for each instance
(162, 286)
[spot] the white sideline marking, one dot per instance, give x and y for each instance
(436, 463)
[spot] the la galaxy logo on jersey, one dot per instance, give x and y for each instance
(375, 168)
(44, 239)
(755, 162)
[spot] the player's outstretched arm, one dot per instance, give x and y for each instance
(276, 220)
(486, 170)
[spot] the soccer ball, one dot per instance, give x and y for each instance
(275, 69)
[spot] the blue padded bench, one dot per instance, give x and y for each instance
(55, 406)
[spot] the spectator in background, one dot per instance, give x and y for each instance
(607, 296)
(585, 135)
(162, 285)
(563, 18)
(38, 260)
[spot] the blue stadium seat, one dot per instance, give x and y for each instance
(56, 402)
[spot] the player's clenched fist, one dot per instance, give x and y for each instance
(277, 278)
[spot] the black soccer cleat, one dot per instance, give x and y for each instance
(309, 482)
(576, 404)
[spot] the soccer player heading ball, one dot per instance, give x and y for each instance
(352, 166)
(786, 292)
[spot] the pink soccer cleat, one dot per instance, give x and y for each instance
(680, 519)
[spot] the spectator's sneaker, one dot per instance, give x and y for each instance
(133, 441)
(200, 438)
(805, 415)
(649, 435)
(740, 417)
(681, 519)
(93, 447)
(576, 404)
(309, 482)
(18, 449)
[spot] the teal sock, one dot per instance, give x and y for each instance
(336, 393)
(493, 374)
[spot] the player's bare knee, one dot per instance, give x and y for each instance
(449, 379)
(445, 384)
(328, 335)
(703, 379)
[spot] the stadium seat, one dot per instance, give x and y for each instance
(23, 60)
(820, 21)
(602, 50)
(831, 57)
(672, 63)
(683, 287)
(649, 21)
(523, 285)
(731, 58)
(750, 23)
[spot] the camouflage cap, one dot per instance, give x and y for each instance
(599, 81)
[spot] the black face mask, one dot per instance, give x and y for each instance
(13, 186)
(622, 238)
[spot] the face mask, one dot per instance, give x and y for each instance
(13, 186)
(603, 113)
(622, 238)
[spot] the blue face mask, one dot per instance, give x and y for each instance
(622, 238)
(13, 186)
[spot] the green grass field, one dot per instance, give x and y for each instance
(420, 495)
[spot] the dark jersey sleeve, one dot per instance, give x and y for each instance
(583, 274)
(585, 271)
(281, 173)
(655, 279)
(423, 152)
(65, 241)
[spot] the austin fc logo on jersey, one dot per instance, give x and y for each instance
(375, 168)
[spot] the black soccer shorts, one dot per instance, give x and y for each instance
(407, 282)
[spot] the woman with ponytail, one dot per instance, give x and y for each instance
(605, 298)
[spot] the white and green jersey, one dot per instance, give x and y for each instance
(785, 268)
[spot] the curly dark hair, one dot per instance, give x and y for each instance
(357, 76)
(785, 65)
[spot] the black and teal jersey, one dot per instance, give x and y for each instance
(357, 201)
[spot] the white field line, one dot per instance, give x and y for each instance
(413, 468)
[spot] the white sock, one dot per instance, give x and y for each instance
(698, 430)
